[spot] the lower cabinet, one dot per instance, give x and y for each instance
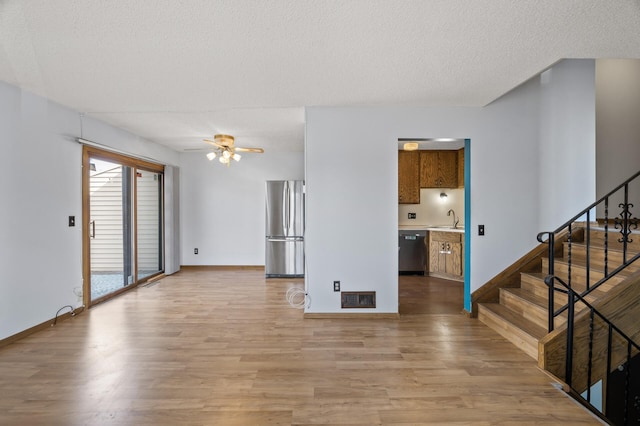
(445, 254)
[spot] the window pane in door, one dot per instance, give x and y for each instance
(110, 225)
(149, 219)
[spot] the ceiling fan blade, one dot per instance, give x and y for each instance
(214, 143)
(258, 150)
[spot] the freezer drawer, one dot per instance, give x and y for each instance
(284, 258)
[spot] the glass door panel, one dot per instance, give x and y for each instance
(110, 227)
(149, 223)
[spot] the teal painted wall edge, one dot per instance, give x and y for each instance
(467, 225)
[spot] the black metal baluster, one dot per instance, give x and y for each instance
(588, 248)
(626, 384)
(552, 284)
(590, 365)
(606, 237)
(569, 355)
(625, 224)
(609, 344)
(569, 255)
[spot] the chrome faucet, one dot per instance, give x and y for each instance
(455, 221)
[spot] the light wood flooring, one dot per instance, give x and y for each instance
(224, 348)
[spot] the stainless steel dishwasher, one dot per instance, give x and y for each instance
(412, 252)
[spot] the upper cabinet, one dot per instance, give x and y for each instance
(428, 169)
(409, 177)
(439, 169)
(461, 168)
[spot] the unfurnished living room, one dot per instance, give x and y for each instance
(339, 212)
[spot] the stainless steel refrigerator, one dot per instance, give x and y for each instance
(284, 229)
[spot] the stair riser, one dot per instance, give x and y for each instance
(516, 336)
(615, 252)
(597, 238)
(532, 312)
(578, 275)
(596, 257)
(534, 285)
(612, 265)
(536, 313)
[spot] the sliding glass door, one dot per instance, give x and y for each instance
(122, 220)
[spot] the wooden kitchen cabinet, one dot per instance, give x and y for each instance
(408, 177)
(445, 254)
(438, 169)
(461, 168)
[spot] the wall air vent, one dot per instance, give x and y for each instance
(358, 299)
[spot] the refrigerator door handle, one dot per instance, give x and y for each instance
(284, 210)
(285, 239)
(288, 198)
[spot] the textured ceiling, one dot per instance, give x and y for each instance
(176, 71)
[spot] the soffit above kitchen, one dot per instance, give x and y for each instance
(178, 72)
(430, 144)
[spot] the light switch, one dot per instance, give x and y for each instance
(72, 221)
(480, 229)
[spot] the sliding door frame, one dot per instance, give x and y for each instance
(136, 164)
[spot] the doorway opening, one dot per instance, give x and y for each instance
(122, 223)
(434, 201)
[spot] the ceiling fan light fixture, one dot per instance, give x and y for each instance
(225, 149)
(224, 139)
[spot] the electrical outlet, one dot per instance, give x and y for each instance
(412, 215)
(195, 251)
(480, 230)
(336, 286)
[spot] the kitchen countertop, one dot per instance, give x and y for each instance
(441, 228)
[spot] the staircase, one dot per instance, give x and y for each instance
(576, 310)
(521, 315)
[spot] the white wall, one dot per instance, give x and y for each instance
(343, 243)
(567, 141)
(352, 211)
(617, 122)
(432, 209)
(40, 186)
(222, 209)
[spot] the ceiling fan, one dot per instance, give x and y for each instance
(225, 149)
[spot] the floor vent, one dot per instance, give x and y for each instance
(358, 299)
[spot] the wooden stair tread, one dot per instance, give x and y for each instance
(515, 319)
